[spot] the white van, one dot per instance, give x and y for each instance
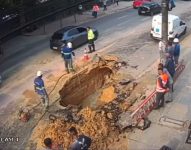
(176, 27)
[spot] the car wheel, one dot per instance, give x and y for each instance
(151, 13)
(139, 13)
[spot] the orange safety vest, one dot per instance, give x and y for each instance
(164, 77)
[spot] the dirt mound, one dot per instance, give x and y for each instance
(98, 130)
(108, 94)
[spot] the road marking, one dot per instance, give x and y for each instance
(122, 17)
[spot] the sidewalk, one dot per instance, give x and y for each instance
(80, 19)
(162, 133)
(25, 42)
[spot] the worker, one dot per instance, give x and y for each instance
(40, 90)
(161, 88)
(176, 46)
(67, 53)
(169, 64)
(170, 93)
(49, 145)
(81, 142)
(170, 48)
(91, 37)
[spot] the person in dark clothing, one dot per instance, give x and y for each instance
(169, 65)
(67, 53)
(117, 2)
(81, 142)
(161, 88)
(104, 5)
(170, 49)
(176, 50)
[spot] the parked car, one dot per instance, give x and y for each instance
(176, 27)
(149, 8)
(77, 35)
(138, 3)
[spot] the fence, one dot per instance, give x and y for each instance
(34, 19)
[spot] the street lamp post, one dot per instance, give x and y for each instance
(164, 5)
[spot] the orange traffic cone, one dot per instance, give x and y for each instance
(86, 56)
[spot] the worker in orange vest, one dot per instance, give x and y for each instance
(161, 88)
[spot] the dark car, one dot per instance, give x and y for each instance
(75, 34)
(149, 8)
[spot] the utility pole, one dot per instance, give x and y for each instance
(164, 5)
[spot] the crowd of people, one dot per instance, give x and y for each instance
(169, 59)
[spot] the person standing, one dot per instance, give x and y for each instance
(170, 82)
(162, 47)
(117, 2)
(170, 49)
(95, 10)
(91, 37)
(40, 90)
(176, 50)
(104, 5)
(67, 53)
(161, 88)
(169, 64)
(81, 142)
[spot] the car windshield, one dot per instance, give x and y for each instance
(59, 34)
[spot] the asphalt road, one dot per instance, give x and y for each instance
(114, 26)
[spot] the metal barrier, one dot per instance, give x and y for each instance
(148, 104)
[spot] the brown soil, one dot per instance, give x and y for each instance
(101, 123)
(108, 95)
(85, 83)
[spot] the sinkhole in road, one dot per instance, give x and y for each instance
(83, 84)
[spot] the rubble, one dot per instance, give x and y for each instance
(102, 123)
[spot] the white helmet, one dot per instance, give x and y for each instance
(69, 44)
(176, 40)
(39, 73)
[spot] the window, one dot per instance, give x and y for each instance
(82, 29)
(73, 32)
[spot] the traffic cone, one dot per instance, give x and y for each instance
(86, 56)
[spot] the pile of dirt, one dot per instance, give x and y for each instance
(101, 124)
(108, 94)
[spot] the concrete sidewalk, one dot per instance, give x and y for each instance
(22, 43)
(164, 133)
(80, 19)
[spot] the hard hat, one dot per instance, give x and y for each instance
(176, 40)
(69, 44)
(39, 73)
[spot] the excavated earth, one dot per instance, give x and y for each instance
(106, 94)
